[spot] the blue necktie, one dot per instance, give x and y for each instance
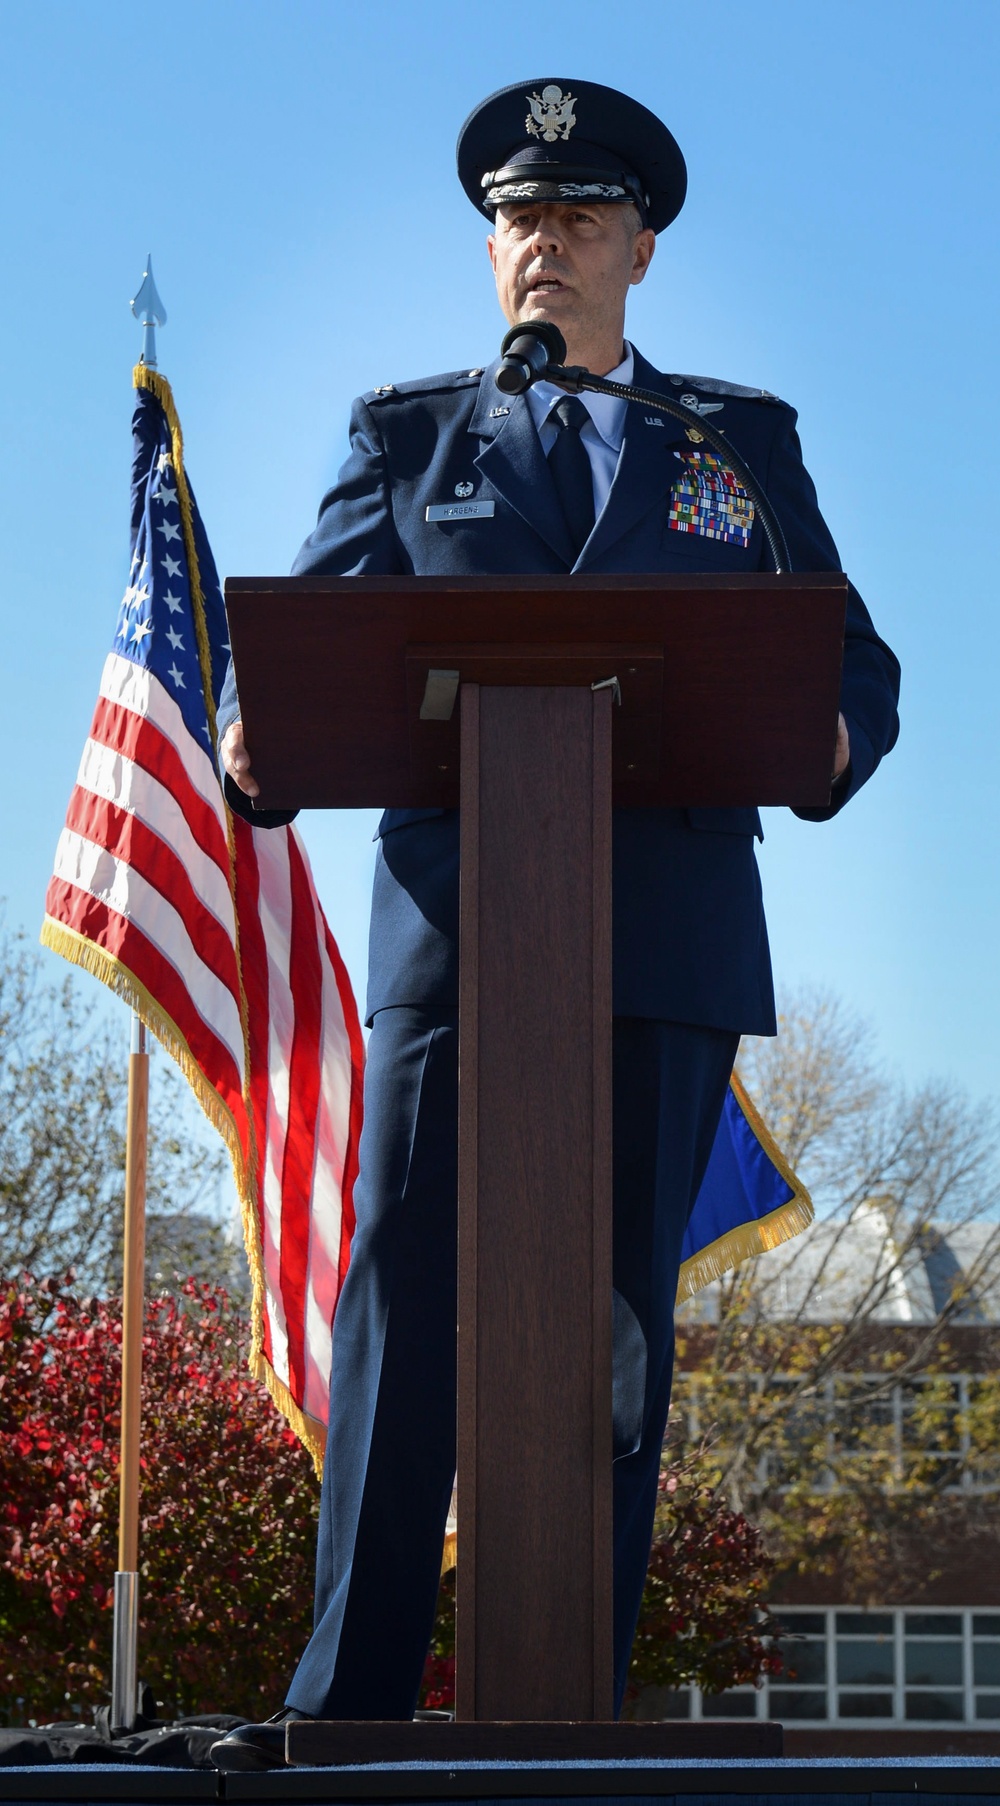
(570, 467)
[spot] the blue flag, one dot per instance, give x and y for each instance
(750, 1200)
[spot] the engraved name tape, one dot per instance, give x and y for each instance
(460, 511)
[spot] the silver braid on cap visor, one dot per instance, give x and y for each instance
(511, 184)
(558, 191)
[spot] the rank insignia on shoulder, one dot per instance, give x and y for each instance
(384, 388)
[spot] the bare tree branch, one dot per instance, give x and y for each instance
(63, 1086)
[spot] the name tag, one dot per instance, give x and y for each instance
(460, 511)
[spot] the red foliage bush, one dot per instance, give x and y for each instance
(228, 1508)
(702, 1620)
(438, 1685)
(703, 1617)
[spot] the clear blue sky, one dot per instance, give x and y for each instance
(291, 167)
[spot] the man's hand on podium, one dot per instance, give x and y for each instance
(236, 759)
(841, 757)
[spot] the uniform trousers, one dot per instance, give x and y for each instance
(390, 1458)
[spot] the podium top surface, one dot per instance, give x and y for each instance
(729, 684)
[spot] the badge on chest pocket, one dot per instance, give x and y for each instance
(707, 498)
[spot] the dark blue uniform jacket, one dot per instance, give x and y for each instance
(690, 942)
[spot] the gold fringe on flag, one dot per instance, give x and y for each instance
(743, 1243)
(309, 1431)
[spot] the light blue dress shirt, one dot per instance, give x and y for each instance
(603, 434)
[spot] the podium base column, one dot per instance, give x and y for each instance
(534, 1600)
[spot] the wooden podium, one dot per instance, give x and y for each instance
(535, 704)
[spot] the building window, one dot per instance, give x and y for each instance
(938, 1431)
(865, 1669)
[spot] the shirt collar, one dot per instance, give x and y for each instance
(606, 411)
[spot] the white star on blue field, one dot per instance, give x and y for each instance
(159, 592)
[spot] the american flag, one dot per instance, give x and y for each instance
(212, 929)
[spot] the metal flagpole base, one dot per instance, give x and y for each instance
(124, 1679)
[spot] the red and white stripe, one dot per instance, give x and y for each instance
(142, 871)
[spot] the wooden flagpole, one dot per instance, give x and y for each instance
(124, 1674)
(151, 313)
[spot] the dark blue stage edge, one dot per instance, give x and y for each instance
(838, 1781)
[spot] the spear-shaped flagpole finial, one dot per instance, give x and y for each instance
(150, 312)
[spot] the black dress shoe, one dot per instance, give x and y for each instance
(252, 1747)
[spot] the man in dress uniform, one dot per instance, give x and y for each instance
(576, 181)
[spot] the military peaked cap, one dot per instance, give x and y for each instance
(550, 140)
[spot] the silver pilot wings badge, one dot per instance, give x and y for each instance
(701, 407)
(551, 115)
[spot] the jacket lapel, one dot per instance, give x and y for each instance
(646, 467)
(512, 461)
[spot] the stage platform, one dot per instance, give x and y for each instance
(836, 1781)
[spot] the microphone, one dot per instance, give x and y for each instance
(527, 351)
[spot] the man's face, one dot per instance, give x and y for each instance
(571, 264)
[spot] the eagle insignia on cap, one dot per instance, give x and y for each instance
(551, 115)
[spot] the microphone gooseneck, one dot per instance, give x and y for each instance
(536, 349)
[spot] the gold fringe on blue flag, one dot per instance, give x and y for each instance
(750, 1199)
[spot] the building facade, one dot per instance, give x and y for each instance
(850, 1397)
